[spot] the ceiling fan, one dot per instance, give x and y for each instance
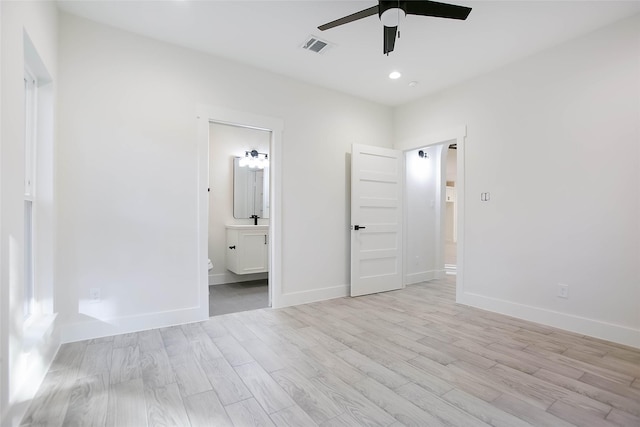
(393, 11)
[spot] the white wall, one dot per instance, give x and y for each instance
(543, 136)
(451, 171)
(227, 142)
(128, 176)
(26, 347)
(423, 242)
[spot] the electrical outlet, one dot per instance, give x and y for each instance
(94, 295)
(563, 290)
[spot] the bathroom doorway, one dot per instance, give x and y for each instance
(238, 219)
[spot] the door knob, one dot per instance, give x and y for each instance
(358, 227)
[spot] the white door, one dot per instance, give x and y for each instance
(376, 219)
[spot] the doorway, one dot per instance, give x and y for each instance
(432, 165)
(238, 209)
(423, 215)
(205, 115)
(425, 246)
(451, 211)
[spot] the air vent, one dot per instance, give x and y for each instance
(317, 45)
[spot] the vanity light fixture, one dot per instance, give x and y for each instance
(253, 160)
(423, 154)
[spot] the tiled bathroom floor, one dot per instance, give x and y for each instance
(236, 297)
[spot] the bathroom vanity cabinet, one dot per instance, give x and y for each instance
(247, 249)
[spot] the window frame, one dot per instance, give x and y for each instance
(30, 166)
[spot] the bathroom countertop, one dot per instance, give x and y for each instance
(247, 227)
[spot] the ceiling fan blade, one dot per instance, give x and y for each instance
(439, 10)
(373, 10)
(389, 39)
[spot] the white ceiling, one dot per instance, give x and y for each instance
(434, 52)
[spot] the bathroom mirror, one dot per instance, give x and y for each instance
(250, 191)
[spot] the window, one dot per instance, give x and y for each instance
(30, 109)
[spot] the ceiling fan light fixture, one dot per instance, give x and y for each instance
(391, 12)
(392, 17)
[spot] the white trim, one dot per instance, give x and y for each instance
(305, 297)
(36, 338)
(4, 305)
(83, 330)
(460, 213)
(206, 114)
(30, 143)
(229, 277)
(423, 276)
(450, 269)
(581, 325)
(30, 132)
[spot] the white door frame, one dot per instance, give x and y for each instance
(458, 135)
(206, 114)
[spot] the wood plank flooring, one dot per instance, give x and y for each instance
(410, 357)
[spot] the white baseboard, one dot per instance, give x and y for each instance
(581, 325)
(305, 297)
(451, 269)
(229, 277)
(93, 328)
(423, 276)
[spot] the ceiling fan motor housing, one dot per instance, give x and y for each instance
(391, 12)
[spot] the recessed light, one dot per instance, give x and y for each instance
(395, 75)
(413, 83)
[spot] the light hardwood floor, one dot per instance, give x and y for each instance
(411, 357)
